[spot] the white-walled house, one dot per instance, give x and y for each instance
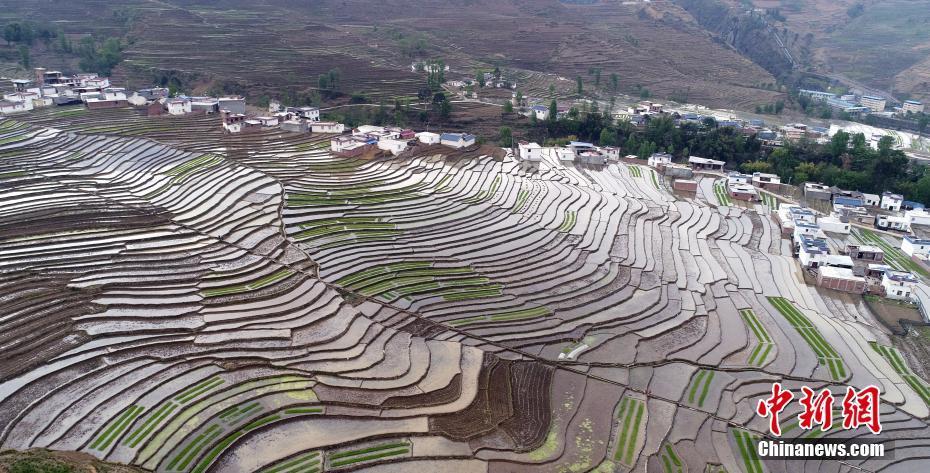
(871, 200)
(659, 159)
(812, 251)
(892, 222)
(891, 201)
(395, 147)
(178, 106)
(833, 224)
(912, 245)
(530, 151)
(899, 285)
(428, 138)
(327, 127)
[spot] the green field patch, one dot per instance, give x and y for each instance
(764, 344)
(826, 355)
(12, 174)
(630, 423)
(260, 283)
(568, 223)
(720, 191)
(893, 356)
(376, 452)
(746, 443)
(305, 463)
(699, 387)
(116, 428)
(769, 200)
(522, 197)
(355, 196)
(671, 463)
(635, 171)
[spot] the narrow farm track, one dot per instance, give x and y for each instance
(202, 297)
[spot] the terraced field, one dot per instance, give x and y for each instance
(194, 302)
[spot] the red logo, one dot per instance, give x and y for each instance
(860, 408)
(773, 406)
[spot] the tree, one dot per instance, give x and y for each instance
(922, 123)
(580, 85)
(838, 143)
(497, 73)
(445, 109)
(24, 55)
(756, 166)
(479, 78)
(505, 137)
(614, 81)
(552, 90)
(597, 77)
(553, 110)
(508, 107)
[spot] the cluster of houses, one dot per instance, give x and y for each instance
(531, 154)
(861, 104)
(55, 88)
(857, 268)
(394, 140)
(888, 211)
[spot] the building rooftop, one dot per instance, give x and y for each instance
(814, 245)
(699, 160)
(900, 276)
(838, 273)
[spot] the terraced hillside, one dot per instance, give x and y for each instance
(267, 47)
(192, 302)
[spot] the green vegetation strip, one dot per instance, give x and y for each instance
(747, 450)
(764, 342)
(769, 200)
(376, 452)
(199, 389)
(407, 278)
(116, 428)
(569, 222)
(670, 461)
(701, 382)
(900, 366)
(522, 197)
(826, 355)
(306, 462)
(226, 442)
(720, 191)
(251, 286)
(149, 425)
(655, 178)
(630, 418)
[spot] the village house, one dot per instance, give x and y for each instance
(428, 138)
(7, 107)
(770, 182)
(327, 127)
(457, 140)
(840, 279)
(529, 151)
(181, 106)
(350, 146)
(871, 254)
(743, 192)
(684, 185)
(875, 104)
(891, 201)
(232, 122)
(833, 224)
(705, 164)
(677, 171)
(912, 245)
(899, 285)
(738, 178)
(912, 106)
(871, 200)
(658, 160)
(811, 251)
(817, 191)
(892, 222)
(307, 113)
(234, 104)
(294, 125)
(205, 104)
(393, 146)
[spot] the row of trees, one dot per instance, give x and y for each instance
(847, 161)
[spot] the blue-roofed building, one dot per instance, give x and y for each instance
(812, 251)
(457, 140)
(540, 111)
(757, 122)
(911, 205)
(912, 106)
(847, 201)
